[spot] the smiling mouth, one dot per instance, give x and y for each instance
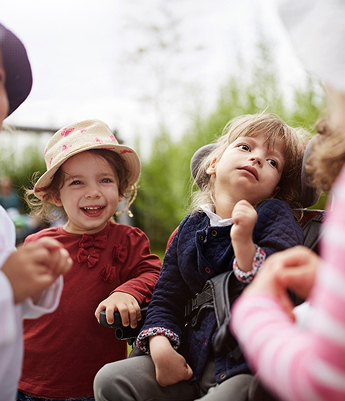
(93, 209)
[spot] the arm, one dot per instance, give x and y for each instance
(7, 311)
(34, 267)
(244, 217)
(304, 364)
(170, 366)
(165, 315)
(275, 230)
(139, 273)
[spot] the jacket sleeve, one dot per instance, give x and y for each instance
(276, 228)
(166, 310)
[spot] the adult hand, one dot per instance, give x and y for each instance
(294, 269)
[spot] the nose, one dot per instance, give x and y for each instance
(92, 193)
(256, 159)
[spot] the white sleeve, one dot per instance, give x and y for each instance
(48, 302)
(7, 312)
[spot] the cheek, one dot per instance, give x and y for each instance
(4, 106)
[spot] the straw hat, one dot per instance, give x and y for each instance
(77, 138)
(17, 67)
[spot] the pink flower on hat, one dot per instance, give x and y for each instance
(82, 130)
(98, 140)
(51, 161)
(39, 188)
(122, 152)
(65, 147)
(113, 138)
(67, 131)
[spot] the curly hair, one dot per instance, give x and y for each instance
(252, 125)
(327, 156)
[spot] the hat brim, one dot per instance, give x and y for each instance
(129, 156)
(17, 67)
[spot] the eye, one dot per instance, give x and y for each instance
(106, 180)
(244, 146)
(273, 163)
(75, 182)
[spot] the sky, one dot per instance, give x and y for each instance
(137, 64)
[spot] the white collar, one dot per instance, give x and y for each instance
(215, 220)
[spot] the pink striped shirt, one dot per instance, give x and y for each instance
(303, 364)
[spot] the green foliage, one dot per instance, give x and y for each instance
(165, 183)
(21, 156)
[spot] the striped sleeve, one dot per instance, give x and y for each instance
(302, 364)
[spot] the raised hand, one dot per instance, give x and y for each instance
(244, 217)
(35, 266)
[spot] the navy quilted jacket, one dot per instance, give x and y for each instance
(197, 253)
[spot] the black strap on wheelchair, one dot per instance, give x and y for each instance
(218, 293)
(311, 230)
(193, 305)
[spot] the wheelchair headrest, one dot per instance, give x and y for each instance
(308, 195)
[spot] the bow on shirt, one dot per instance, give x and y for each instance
(90, 256)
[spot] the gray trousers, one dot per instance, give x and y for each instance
(134, 379)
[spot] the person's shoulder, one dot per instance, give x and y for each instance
(275, 210)
(124, 230)
(45, 232)
(274, 205)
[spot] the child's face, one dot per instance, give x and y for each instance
(4, 103)
(90, 193)
(248, 170)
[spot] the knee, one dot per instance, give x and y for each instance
(103, 383)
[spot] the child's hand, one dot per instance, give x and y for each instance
(170, 366)
(35, 266)
(293, 269)
(244, 217)
(125, 304)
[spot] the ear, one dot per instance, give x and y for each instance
(55, 199)
(211, 169)
(275, 192)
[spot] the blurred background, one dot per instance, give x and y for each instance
(166, 76)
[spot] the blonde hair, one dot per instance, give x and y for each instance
(46, 210)
(328, 153)
(252, 125)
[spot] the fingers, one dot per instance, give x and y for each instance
(60, 262)
(129, 314)
(292, 257)
(49, 243)
(125, 304)
(98, 311)
(300, 280)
